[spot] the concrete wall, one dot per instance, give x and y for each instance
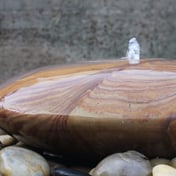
(35, 33)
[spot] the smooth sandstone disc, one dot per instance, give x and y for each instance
(94, 109)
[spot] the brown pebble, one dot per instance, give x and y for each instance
(157, 161)
(173, 162)
(2, 132)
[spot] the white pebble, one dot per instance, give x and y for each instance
(164, 170)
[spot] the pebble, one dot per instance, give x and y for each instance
(6, 140)
(81, 168)
(130, 163)
(17, 161)
(164, 170)
(173, 162)
(67, 172)
(2, 132)
(157, 161)
(53, 164)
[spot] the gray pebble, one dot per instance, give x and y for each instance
(130, 163)
(17, 161)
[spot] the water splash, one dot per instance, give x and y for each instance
(133, 52)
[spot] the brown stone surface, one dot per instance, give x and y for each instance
(101, 108)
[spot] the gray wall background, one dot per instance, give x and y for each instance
(35, 33)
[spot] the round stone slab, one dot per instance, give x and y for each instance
(19, 161)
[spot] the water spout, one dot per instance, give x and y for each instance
(133, 52)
